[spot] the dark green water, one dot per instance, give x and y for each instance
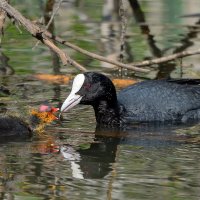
(141, 163)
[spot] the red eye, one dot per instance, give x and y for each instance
(87, 86)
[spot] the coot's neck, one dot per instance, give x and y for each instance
(107, 113)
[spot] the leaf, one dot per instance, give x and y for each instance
(61, 79)
(121, 83)
(84, 146)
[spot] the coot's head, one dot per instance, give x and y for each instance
(90, 88)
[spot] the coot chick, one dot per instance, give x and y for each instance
(147, 101)
(12, 127)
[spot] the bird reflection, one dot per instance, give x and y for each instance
(96, 161)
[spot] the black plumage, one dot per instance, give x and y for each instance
(17, 128)
(147, 101)
(161, 100)
(14, 127)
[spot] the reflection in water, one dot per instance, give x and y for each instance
(141, 156)
(5, 68)
(94, 162)
(97, 159)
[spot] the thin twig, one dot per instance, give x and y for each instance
(54, 48)
(51, 19)
(63, 56)
(53, 14)
(38, 33)
(167, 58)
(2, 21)
(98, 57)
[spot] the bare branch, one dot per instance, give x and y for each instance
(64, 58)
(2, 20)
(46, 37)
(13, 13)
(38, 32)
(51, 19)
(53, 14)
(167, 58)
(98, 57)
(54, 48)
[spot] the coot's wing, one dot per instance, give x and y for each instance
(159, 100)
(185, 81)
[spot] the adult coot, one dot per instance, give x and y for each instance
(147, 101)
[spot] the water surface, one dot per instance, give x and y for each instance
(144, 162)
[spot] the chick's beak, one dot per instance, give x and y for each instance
(53, 110)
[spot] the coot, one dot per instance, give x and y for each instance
(13, 127)
(147, 101)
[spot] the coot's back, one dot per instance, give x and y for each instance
(160, 100)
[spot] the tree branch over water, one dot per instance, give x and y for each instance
(38, 33)
(167, 58)
(46, 38)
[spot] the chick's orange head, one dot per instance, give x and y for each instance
(45, 113)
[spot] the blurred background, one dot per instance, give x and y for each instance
(146, 29)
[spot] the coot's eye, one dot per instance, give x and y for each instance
(87, 86)
(84, 90)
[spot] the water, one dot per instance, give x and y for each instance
(160, 162)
